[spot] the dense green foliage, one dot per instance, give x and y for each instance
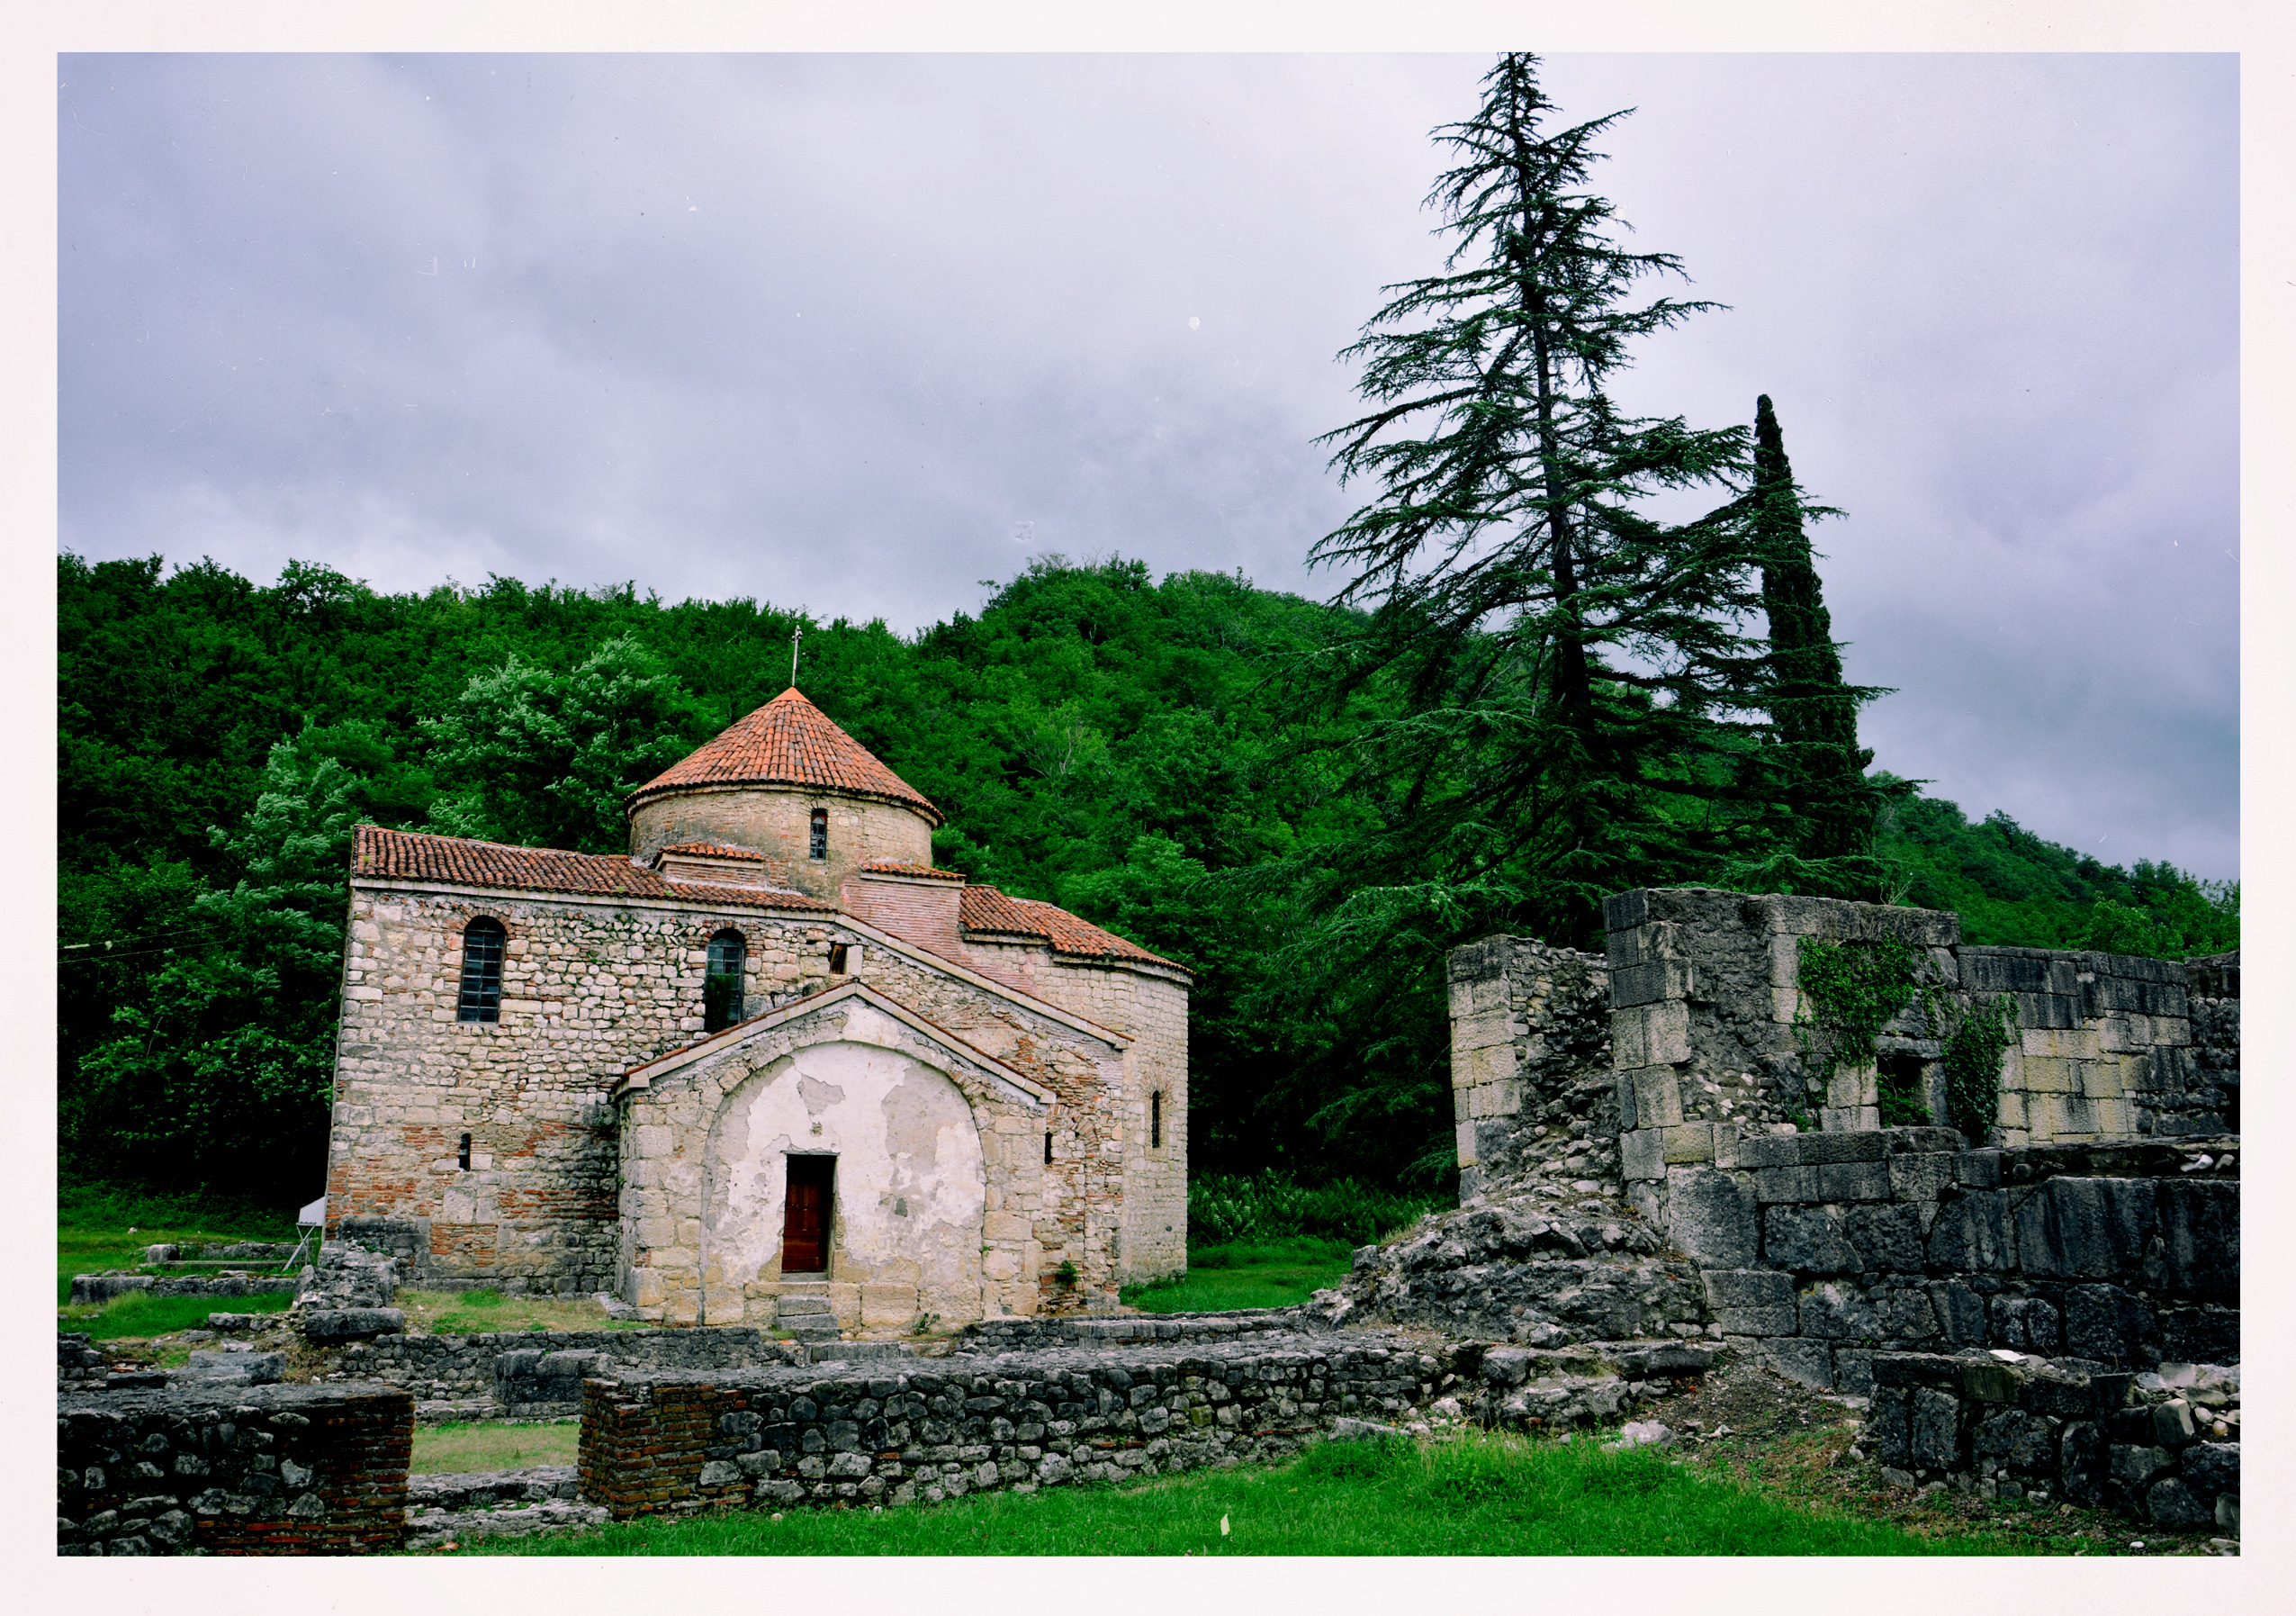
(1225, 1208)
(1099, 739)
(1850, 992)
(1973, 1047)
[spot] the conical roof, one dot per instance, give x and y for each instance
(787, 742)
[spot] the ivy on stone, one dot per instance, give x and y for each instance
(1850, 992)
(1972, 1063)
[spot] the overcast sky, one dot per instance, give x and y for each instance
(854, 333)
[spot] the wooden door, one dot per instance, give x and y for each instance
(804, 1218)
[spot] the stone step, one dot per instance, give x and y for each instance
(795, 1307)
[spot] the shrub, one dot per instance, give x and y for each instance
(1228, 1209)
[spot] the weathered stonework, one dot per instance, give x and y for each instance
(509, 1144)
(2100, 1218)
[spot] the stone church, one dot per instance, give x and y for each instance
(771, 1056)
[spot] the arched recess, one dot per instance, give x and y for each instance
(910, 1182)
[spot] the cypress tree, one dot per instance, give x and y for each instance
(1814, 713)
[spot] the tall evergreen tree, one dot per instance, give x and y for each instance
(1567, 665)
(1824, 791)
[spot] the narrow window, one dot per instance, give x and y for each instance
(481, 996)
(1156, 1120)
(820, 846)
(1048, 1147)
(837, 959)
(720, 984)
(464, 1159)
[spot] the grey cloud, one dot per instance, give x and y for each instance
(828, 330)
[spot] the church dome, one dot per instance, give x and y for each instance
(787, 742)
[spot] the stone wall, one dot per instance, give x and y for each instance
(1530, 1061)
(766, 1438)
(271, 1469)
(2029, 1429)
(463, 1368)
(101, 1287)
(1820, 1249)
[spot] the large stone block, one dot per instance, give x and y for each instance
(1807, 1239)
(1769, 1150)
(1885, 1435)
(1933, 1434)
(1690, 1143)
(2105, 1323)
(1825, 1149)
(1658, 1098)
(1836, 1311)
(1751, 1302)
(1854, 1181)
(1786, 1184)
(1960, 1313)
(2199, 1228)
(1711, 1218)
(1651, 1034)
(1643, 1153)
(1801, 1358)
(2084, 1228)
(1973, 1232)
(1923, 1177)
(1886, 1238)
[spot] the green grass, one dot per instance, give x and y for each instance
(101, 1226)
(137, 1314)
(508, 1445)
(488, 1312)
(1482, 1493)
(1275, 1273)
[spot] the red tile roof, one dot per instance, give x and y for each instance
(715, 850)
(788, 741)
(410, 855)
(985, 910)
(881, 867)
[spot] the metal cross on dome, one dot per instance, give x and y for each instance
(797, 633)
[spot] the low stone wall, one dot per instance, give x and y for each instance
(2070, 1431)
(101, 1287)
(1040, 1334)
(1820, 1247)
(198, 1469)
(79, 1367)
(530, 1383)
(766, 1438)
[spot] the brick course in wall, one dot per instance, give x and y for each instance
(238, 1470)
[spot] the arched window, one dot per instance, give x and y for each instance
(819, 846)
(721, 986)
(482, 995)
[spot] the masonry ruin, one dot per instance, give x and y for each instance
(2099, 1217)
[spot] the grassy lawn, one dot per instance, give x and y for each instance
(1273, 1273)
(100, 1227)
(1479, 1494)
(136, 1314)
(485, 1311)
(511, 1445)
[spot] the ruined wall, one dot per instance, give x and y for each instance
(237, 1469)
(779, 821)
(2103, 1219)
(766, 1438)
(1531, 1080)
(2029, 1429)
(1819, 1248)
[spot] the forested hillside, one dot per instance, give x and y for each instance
(1098, 738)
